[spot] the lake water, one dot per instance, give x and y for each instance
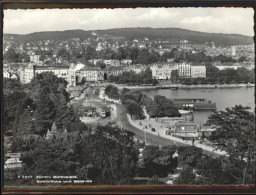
(223, 98)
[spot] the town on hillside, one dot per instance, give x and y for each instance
(116, 108)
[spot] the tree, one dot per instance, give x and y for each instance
(112, 92)
(65, 117)
(235, 133)
(46, 112)
(50, 158)
(156, 161)
(11, 56)
(160, 100)
(189, 155)
(166, 106)
(134, 109)
(90, 53)
(242, 59)
(112, 154)
(64, 54)
(242, 75)
(210, 172)
(175, 76)
(134, 53)
(186, 177)
(101, 65)
(252, 75)
(170, 109)
(212, 72)
(133, 95)
(228, 75)
(143, 57)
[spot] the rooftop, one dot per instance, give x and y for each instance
(186, 123)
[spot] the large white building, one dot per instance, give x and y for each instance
(162, 71)
(35, 58)
(184, 69)
(197, 71)
(90, 74)
(66, 72)
(138, 68)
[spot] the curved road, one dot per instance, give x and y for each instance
(123, 122)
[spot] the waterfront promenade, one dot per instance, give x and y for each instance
(160, 130)
(182, 86)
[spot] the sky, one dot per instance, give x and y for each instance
(216, 20)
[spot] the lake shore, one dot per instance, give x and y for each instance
(181, 86)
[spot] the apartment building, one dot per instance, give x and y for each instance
(197, 71)
(91, 74)
(184, 69)
(162, 71)
(34, 58)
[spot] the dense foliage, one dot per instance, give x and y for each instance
(111, 154)
(145, 77)
(157, 161)
(227, 76)
(235, 133)
(112, 92)
(32, 108)
(12, 56)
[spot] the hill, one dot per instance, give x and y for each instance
(174, 35)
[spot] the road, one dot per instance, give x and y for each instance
(123, 122)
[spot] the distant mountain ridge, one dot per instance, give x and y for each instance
(174, 35)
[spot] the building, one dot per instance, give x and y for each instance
(94, 61)
(14, 76)
(59, 71)
(91, 74)
(6, 74)
(34, 58)
(112, 62)
(233, 51)
(206, 131)
(28, 73)
(72, 74)
(138, 68)
(126, 62)
(186, 129)
(87, 111)
(197, 71)
(184, 69)
(162, 71)
(115, 71)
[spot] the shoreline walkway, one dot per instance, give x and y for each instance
(160, 129)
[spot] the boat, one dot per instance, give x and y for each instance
(194, 104)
